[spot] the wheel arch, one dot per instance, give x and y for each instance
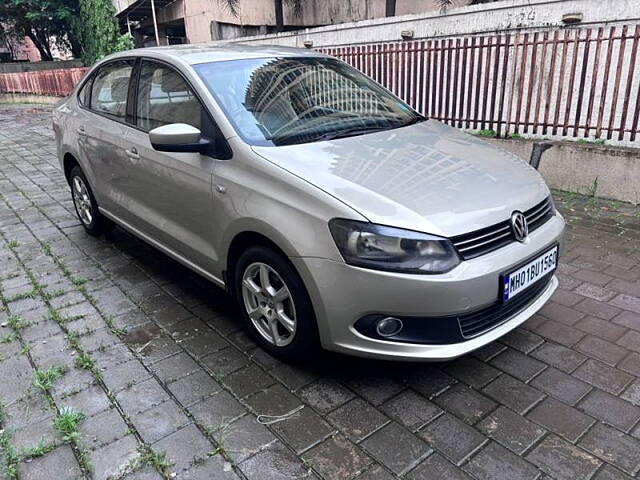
(240, 243)
(68, 162)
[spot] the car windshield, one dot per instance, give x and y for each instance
(289, 100)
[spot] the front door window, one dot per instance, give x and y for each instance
(165, 97)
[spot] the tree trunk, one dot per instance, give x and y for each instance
(279, 15)
(390, 8)
(11, 47)
(43, 48)
(45, 41)
(76, 45)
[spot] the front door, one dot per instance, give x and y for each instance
(170, 193)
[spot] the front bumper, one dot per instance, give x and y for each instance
(342, 294)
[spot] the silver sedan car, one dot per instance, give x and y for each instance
(335, 214)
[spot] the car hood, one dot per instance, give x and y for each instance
(427, 177)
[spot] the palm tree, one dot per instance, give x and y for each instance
(444, 4)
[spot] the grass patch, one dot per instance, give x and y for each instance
(33, 293)
(73, 339)
(43, 379)
(83, 459)
(12, 244)
(56, 317)
(16, 322)
(594, 141)
(85, 361)
(42, 448)
(119, 331)
(77, 281)
(8, 338)
(486, 133)
(58, 292)
(158, 460)
(10, 458)
(67, 424)
(46, 248)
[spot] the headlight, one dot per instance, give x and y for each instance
(393, 249)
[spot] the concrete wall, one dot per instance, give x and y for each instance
(18, 67)
(577, 167)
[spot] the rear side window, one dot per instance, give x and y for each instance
(110, 89)
(165, 97)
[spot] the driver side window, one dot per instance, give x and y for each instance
(164, 97)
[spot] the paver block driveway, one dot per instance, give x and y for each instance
(116, 362)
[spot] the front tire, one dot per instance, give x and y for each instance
(85, 204)
(275, 304)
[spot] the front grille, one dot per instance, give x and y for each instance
(485, 240)
(473, 324)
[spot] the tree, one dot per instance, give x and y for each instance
(45, 22)
(99, 31)
(9, 40)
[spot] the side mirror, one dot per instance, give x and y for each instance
(177, 137)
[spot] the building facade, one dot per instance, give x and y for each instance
(196, 21)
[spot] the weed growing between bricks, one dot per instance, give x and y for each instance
(84, 361)
(65, 418)
(10, 458)
(147, 454)
(44, 379)
(150, 455)
(42, 448)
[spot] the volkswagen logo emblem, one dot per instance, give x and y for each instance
(519, 226)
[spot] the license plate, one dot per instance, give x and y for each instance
(525, 276)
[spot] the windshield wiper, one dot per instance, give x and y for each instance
(349, 132)
(346, 132)
(303, 137)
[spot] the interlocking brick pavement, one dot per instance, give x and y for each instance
(169, 385)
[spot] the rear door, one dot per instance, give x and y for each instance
(170, 194)
(101, 131)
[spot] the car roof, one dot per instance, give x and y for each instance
(205, 53)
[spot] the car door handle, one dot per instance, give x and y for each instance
(133, 153)
(81, 131)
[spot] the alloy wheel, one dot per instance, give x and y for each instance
(82, 200)
(269, 304)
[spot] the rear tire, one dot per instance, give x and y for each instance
(85, 204)
(275, 304)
